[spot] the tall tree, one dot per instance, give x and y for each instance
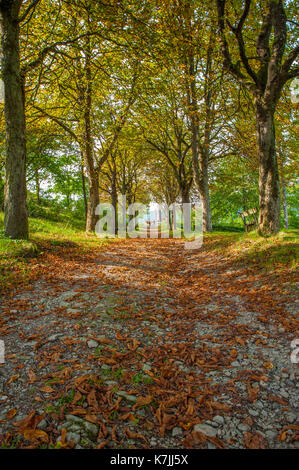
(16, 218)
(264, 73)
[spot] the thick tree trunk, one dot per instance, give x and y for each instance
(201, 177)
(185, 195)
(269, 192)
(93, 202)
(199, 153)
(15, 206)
(114, 194)
(92, 170)
(93, 181)
(114, 198)
(170, 221)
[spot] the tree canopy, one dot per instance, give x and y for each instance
(165, 101)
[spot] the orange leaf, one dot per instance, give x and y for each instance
(254, 441)
(219, 406)
(134, 435)
(32, 376)
(11, 413)
(91, 398)
(47, 389)
(13, 378)
(92, 419)
(36, 434)
(142, 401)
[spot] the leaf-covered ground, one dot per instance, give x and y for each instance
(143, 344)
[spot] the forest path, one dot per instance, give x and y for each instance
(145, 344)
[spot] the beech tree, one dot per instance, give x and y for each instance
(15, 206)
(264, 73)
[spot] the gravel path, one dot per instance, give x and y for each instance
(146, 345)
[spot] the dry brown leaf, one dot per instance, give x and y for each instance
(134, 435)
(36, 434)
(254, 441)
(13, 378)
(11, 413)
(47, 389)
(32, 376)
(143, 401)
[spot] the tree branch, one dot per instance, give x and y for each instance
(32, 6)
(57, 121)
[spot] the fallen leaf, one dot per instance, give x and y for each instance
(254, 441)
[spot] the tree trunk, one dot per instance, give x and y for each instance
(199, 155)
(93, 202)
(269, 192)
(201, 177)
(114, 198)
(285, 205)
(185, 195)
(84, 187)
(15, 206)
(170, 221)
(92, 170)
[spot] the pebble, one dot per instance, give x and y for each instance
(92, 344)
(271, 434)
(243, 427)
(206, 429)
(53, 338)
(218, 419)
(91, 429)
(176, 432)
(291, 417)
(73, 437)
(125, 395)
(42, 425)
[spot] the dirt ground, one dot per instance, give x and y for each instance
(147, 345)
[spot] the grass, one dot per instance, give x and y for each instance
(16, 256)
(19, 260)
(280, 251)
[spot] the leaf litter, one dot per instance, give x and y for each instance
(145, 345)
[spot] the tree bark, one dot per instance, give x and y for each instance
(269, 191)
(84, 187)
(185, 194)
(266, 86)
(201, 178)
(92, 169)
(93, 202)
(204, 192)
(114, 196)
(15, 205)
(200, 160)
